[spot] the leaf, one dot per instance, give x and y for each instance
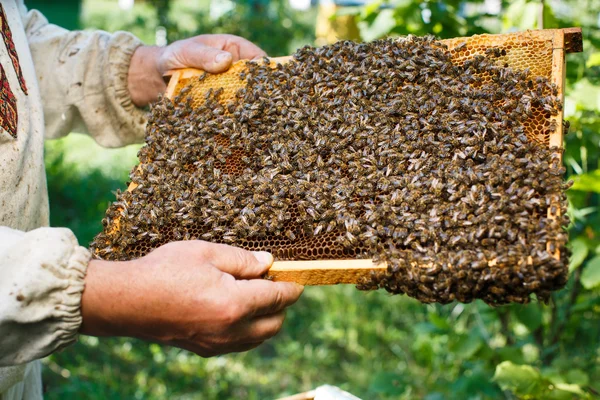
(579, 251)
(423, 328)
(549, 18)
(593, 60)
(564, 385)
(578, 377)
(510, 353)
(439, 321)
(580, 214)
(387, 383)
(586, 305)
(370, 9)
(435, 396)
(380, 27)
(520, 379)
(521, 14)
(344, 11)
(590, 277)
(466, 346)
(589, 182)
(553, 375)
(586, 93)
(529, 315)
(558, 395)
(474, 379)
(565, 391)
(574, 164)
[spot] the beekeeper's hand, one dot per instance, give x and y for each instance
(212, 53)
(204, 297)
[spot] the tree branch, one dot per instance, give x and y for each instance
(538, 334)
(504, 317)
(557, 325)
(569, 308)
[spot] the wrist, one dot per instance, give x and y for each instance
(144, 78)
(104, 302)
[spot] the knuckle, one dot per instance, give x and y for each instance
(279, 300)
(203, 247)
(208, 251)
(232, 314)
(243, 257)
(170, 246)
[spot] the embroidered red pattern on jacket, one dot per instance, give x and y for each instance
(8, 106)
(10, 46)
(9, 117)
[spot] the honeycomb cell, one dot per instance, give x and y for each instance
(226, 159)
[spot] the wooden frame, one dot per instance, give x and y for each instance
(328, 272)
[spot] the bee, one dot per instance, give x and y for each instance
(422, 169)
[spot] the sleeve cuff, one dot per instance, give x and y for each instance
(131, 129)
(68, 309)
(120, 52)
(41, 284)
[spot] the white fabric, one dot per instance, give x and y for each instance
(22, 382)
(42, 281)
(75, 81)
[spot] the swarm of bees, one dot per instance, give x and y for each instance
(387, 150)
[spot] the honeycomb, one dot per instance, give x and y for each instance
(522, 51)
(190, 90)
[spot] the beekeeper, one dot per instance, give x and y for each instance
(203, 297)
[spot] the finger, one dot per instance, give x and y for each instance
(265, 297)
(194, 54)
(240, 263)
(240, 48)
(265, 327)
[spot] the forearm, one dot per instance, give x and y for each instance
(101, 297)
(144, 79)
(114, 299)
(124, 298)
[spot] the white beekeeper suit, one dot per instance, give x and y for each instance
(52, 82)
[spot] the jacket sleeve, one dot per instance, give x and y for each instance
(41, 281)
(83, 81)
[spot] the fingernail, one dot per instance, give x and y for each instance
(223, 57)
(263, 257)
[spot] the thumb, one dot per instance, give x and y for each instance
(240, 263)
(190, 54)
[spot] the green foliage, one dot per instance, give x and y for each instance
(106, 15)
(64, 13)
(273, 25)
(445, 19)
(523, 380)
(590, 278)
(528, 383)
(80, 189)
(371, 344)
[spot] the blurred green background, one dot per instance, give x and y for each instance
(374, 345)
